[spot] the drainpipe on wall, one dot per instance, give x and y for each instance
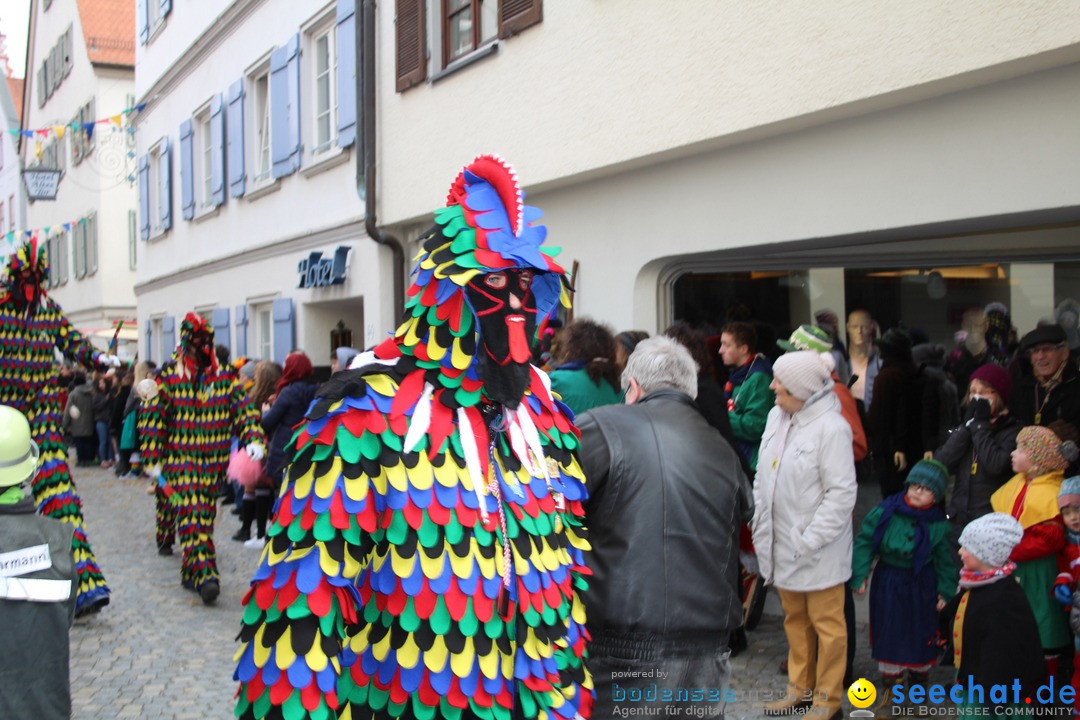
(365, 158)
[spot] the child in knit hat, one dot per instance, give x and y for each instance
(1067, 580)
(1030, 497)
(989, 622)
(908, 533)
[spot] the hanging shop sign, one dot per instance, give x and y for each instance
(41, 184)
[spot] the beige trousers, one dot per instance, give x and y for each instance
(817, 635)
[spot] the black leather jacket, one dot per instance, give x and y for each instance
(666, 500)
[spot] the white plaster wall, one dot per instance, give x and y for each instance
(99, 183)
(303, 205)
(276, 276)
(177, 33)
(1003, 148)
(600, 86)
(10, 176)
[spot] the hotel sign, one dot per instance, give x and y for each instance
(317, 271)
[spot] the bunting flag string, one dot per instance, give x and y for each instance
(14, 238)
(117, 121)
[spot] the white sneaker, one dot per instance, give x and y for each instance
(255, 542)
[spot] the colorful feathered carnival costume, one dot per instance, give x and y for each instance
(426, 557)
(31, 326)
(186, 430)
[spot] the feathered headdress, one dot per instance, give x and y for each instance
(194, 324)
(484, 228)
(27, 255)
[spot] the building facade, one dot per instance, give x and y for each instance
(249, 212)
(12, 192)
(77, 103)
(705, 160)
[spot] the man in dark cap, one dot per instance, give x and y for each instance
(1051, 390)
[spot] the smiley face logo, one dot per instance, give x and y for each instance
(862, 693)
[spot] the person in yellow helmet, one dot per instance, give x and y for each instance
(37, 586)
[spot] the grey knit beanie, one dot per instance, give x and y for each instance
(803, 373)
(991, 538)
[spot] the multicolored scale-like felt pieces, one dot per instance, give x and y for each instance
(187, 429)
(29, 383)
(426, 557)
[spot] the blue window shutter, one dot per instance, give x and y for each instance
(240, 318)
(346, 72)
(220, 321)
(187, 170)
(294, 100)
(166, 6)
(217, 150)
(285, 107)
(149, 332)
(144, 197)
(142, 10)
(282, 316)
(235, 137)
(166, 184)
(168, 332)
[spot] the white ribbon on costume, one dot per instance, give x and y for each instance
(472, 460)
(421, 419)
(532, 439)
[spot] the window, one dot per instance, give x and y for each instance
(84, 247)
(55, 67)
(324, 87)
(54, 262)
(11, 212)
(150, 17)
(53, 156)
(62, 253)
(460, 28)
(154, 214)
(157, 341)
(91, 239)
(155, 190)
(263, 328)
(133, 237)
(56, 246)
(467, 24)
(204, 150)
(1, 214)
(261, 118)
(82, 142)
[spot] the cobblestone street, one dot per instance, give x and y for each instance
(157, 652)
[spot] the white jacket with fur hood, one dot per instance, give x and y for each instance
(804, 496)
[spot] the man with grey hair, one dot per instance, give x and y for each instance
(667, 496)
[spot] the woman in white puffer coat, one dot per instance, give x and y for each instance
(804, 496)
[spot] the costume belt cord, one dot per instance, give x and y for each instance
(187, 429)
(31, 326)
(426, 557)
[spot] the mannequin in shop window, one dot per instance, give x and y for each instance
(865, 361)
(971, 350)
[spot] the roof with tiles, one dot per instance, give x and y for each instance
(15, 87)
(109, 31)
